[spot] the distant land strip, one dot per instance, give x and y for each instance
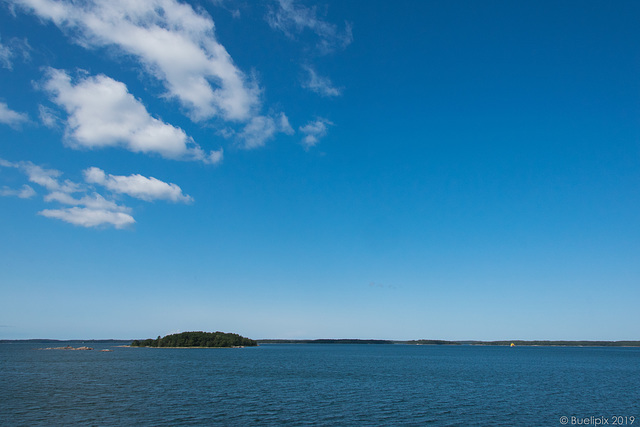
(356, 341)
(558, 343)
(46, 341)
(444, 342)
(366, 341)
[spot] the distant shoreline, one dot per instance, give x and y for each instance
(523, 343)
(148, 346)
(517, 343)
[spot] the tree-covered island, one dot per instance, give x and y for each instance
(197, 339)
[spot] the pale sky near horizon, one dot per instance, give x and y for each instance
(298, 169)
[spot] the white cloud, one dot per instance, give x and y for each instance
(137, 186)
(88, 211)
(102, 113)
(48, 178)
(86, 217)
(262, 128)
(172, 41)
(26, 192)
(314, 131)
(10, 117)
(290, 18)
(320, 85)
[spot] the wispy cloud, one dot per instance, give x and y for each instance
(87, 217)
(25, 192)
(292, 18)
(47, 178)
(88, 211)
(318, 84)
(15, 47)
(228, 5)
(137, 186)
(102, 113)
(10, 117)
(257, 132)
(171, 40)
(313, 131)
(48, 117)
(83, 206)
(89, 201)
(262, 128)
(381, 286)
(284, 125)
(5, 56)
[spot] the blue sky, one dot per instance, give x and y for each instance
(290, 169)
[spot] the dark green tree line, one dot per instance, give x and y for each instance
(197, 339)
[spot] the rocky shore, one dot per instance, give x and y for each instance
(68, 348)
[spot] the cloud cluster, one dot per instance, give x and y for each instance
(173, 42)
(313, 131)
(10, 117)
(102, 113)
(291, 18)
(176, 44)
(81, 204)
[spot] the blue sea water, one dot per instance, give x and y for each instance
(315, 384)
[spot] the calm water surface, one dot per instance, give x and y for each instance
(314, 384)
